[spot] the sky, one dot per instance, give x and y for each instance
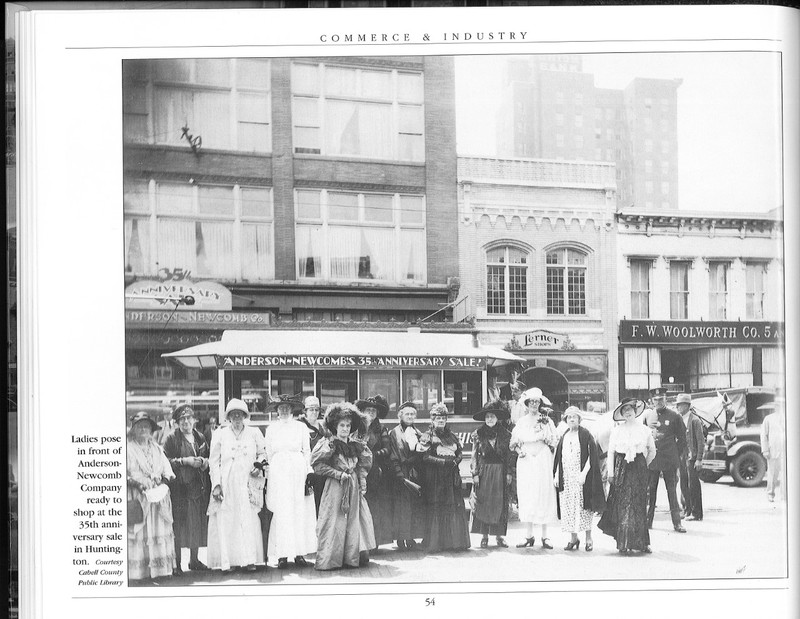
(729, 119)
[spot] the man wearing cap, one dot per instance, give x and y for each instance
(669, 433)
(773, 441)
(695, 446)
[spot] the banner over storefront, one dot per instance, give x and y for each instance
(228, 362)
(698, 332)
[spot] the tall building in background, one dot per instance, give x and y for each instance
(553, 110)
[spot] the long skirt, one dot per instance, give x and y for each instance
(234, 528)
(491, 506)
(625, 518)
(408, 519)
(151, 544)
(291, 531)
(379, 499)
(574, 517)
(535, 491)
(446, 526)
(342, 536)
(189, 505)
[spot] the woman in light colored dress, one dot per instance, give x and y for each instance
(533, 438)
(344, 529)
(234, 529)
(151, 543)
(294, 515)
(577, 477)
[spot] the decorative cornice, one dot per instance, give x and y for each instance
(537, 216)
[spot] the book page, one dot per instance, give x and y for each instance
(254, 214)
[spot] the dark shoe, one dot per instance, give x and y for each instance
(283, 563)
(411, 544)
(484, 542)
(197, 566)
(177, 571)
(647, 550)
(249, 568)
(573, 545)
(528, 542)
(623, 551)
(300, 561)
(680, 529)
(589, 546)
(363, 558)
(546, 543)
(401, 544)
(501, 542)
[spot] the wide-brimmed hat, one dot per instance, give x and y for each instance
(638, 406)
(683, 398)
(497, 407)
(344, 410)
(438, 410)
(378, 402)
(297, 406)
(235, 404)
(182, 410)
(144, 416)
(535, 392)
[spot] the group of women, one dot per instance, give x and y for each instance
(342, 486)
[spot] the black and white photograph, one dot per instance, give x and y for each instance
(454, 318)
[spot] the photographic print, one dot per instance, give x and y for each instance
(454, 318)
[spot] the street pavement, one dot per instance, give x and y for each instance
(741, 536)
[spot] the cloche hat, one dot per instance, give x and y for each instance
(235, 404)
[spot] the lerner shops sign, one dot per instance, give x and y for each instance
(540, 339)
(699, 332)
(230, 362)
(184, 294)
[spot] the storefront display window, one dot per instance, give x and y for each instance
(424, 389)
(297, 383)
(462, 392)
(386, 384)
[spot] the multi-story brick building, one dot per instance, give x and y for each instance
(537, 264)
(700, 300)
(553, 110)
(313, 189)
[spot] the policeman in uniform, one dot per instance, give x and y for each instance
(669, 433)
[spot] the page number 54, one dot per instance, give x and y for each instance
(430, 601)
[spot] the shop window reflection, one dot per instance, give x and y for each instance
(423, 389)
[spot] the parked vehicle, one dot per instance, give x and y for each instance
(736, 448)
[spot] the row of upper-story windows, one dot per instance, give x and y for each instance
(336, 110)
(227, 232)
(508, 276)
(679, 288)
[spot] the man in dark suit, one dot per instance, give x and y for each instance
(695, 446)
(669, 432)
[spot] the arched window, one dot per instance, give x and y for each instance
(566, 281)
(506, 281)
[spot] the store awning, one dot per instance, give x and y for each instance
(343, 349)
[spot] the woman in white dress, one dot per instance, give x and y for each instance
(292, 532)
(234, 529)
(533, 438)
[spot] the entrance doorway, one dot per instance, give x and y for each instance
(336, 386)
(552, 383)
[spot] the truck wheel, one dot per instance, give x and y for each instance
(709, 477)
(748, 469)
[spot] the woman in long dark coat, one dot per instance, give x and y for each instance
(577, 476)
(379, 489)
(446, 526)
(631, 448)
(405, 459)
(492, 467)
(187, 451)
(344, 528)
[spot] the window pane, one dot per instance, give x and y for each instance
(411, 119)
(215, 255)
(340, 81)
(518, 290)
(344, 252)
(173, 198)
(495, 290)
(423, 389)
(343, 206)
(497, 255)
(214, 71)
(174, 108)
(386, 384)
(254, 137)
(176, 245)
(253, 108)
(378, 208)
(517, 256)
(307, 140)
(137, 245)
(409, 87)
(305, 111)
(216, 200)
(257, 253)
(136, 196)
(555, 257)
(412, 210)
(412, 255)
(252, 73)
(213, 120)
(305, 78)
(376, 84)
(308, 246)
(173, 70)
(576, 289)
(575, 257)
(359, 129)
(555, 290)
(256, 202)
(411, 147)
(376, 258)
(308, 206)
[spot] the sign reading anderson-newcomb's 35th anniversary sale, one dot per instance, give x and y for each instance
(230, 362)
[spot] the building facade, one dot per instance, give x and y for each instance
(537, 262)
(700, 301)
(553, 110)
(313, 190)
